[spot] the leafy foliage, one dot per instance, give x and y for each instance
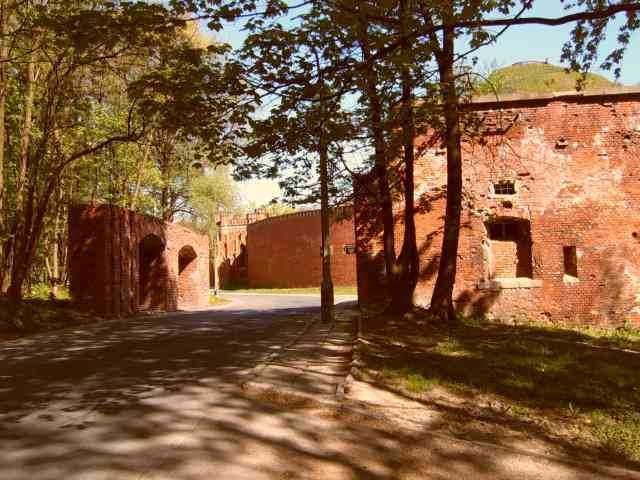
(119, 102)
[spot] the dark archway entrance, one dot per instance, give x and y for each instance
(153, 274)
(187, 273)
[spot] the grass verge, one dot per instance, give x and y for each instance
(216, 300)
(580, 387)
(296, 291)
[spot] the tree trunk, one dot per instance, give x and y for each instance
(29, 235)
(25, 142)
(25, 135)
(55, 247)
(3, 96)
(380, 155)
(442, 307)
(133, 202)
(327, 300)
(408, 262)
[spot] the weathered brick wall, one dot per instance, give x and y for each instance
(284, 251)
(122, 262)
(231, 257)
(574, 162)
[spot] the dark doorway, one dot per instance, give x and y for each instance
(153, 274)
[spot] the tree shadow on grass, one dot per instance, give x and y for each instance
(542, 379)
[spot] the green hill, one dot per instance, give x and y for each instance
(537, 78)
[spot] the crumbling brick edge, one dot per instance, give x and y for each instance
(256, 371)
(253, 386)
(356, 361)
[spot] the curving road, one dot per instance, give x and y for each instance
(115, 399)
(159, 398)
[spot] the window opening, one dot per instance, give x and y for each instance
(504, 187)
(349, 248)
(570, 261)
(510, 248)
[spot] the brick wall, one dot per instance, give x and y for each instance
(574, 162)
(231, 258)
(122, 262)
(284, 251)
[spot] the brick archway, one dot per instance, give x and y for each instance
(152, 273)
(187, 277)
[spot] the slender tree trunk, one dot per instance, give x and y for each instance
(29, 221)
(442, 307)
(136, 192)
(25, 142)
(96, 184)
(55, 247)
(29, 235)
(380, 154)
(327, 299)
(25, 135)
(3, 96)
(408, 262)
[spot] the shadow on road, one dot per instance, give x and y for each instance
(159, 398)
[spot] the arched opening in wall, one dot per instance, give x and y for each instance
(242, 258)
(187, 281)
(510, 248)
(152, 274)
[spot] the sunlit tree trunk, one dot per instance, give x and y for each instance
(3, 96)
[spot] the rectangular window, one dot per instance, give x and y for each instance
(504, 187)
(570, 261)
(503, 230)
(349, 249)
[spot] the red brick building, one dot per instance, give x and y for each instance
(122, 262)
(551, 221)
(283, 251)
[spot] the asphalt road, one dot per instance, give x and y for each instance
(113, 399)
(249, 303)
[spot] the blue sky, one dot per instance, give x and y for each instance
(531, 42)
(521, 43)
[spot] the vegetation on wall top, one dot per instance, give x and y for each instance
(538, 77)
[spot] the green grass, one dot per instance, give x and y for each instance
(618, 432)
(537, 78)
(412, 380)
(41, 291)
(287, 291)
(215, 300)
(580, 380)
